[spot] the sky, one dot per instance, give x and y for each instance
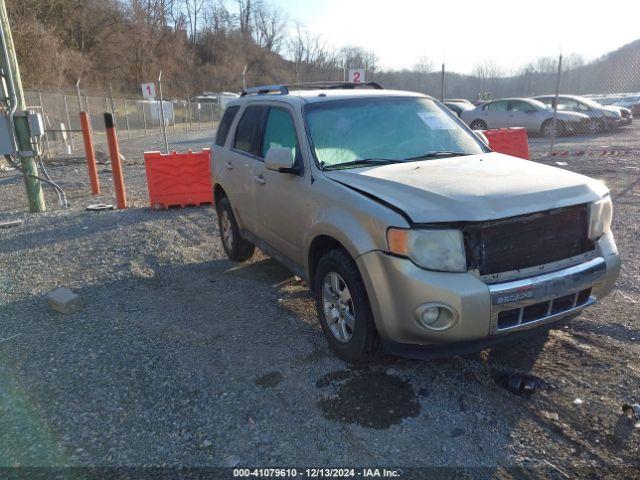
(463, 33)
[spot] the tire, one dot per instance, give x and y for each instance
(478, 125)
(359, 342)
(596, 126)
(237, 248)
(547, 128)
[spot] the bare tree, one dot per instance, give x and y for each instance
(269, 27)
(193, 9)
(424, 65)
(246, 10)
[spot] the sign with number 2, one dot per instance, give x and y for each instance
(356, 75)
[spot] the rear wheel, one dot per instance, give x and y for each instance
(478, 125)
(596, 125)
(237, 248)
(549, 130)
(344, 310)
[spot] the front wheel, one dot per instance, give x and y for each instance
(344, 310)
(237, 248)
(549, 130)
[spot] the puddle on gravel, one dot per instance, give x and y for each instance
(368, 398)
(270, 380)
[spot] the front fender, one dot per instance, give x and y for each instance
(357, 230)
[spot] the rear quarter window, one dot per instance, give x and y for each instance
(225, 125)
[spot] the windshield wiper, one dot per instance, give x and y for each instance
(436, 154)
(361, 162)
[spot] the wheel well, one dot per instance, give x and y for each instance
(218, 193)
(550, 120)
(319, 246)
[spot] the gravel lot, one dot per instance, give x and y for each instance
(180, 357)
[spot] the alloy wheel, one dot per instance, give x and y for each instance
(338, 308)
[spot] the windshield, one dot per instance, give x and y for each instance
(394, 129)
(589, 102)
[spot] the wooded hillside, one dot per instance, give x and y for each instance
(205, 45)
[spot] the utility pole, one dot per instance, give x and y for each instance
(18, 113)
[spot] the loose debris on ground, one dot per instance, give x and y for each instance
(181, 357)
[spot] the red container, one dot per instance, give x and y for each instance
(510, 141)
(179, 179)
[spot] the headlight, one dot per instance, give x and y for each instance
(441, 250)
(611, 114)
(600, 215)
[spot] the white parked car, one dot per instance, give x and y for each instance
(602, 117)
(531, 114)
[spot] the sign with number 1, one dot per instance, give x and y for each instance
(149, 91)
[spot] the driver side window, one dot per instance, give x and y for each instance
(280, 132)
(498, 106)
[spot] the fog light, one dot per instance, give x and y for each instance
(436, 316)
(430, 315)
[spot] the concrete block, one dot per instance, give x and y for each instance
(64, 301)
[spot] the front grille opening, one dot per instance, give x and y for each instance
(563, 303)
(508, 318)
(583, 296)
(535, 312)
(525, 241)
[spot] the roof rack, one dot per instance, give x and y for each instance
(265, 89)
(284, 89)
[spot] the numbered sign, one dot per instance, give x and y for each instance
(356, 75)
(149, 91)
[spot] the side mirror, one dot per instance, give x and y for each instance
(531, 111)
(280, 160)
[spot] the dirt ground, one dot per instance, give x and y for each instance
(181, 358)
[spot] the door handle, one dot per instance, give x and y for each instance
(228, 165)
(260, 179)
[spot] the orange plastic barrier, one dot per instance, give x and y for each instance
(510, 141)
(179, 179)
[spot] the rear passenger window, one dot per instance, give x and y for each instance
(498, 106)
(225, 125)
(248, 131)
(280, 132)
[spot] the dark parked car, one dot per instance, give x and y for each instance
(459, 106)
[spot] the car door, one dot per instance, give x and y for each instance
(282, 199)
(522, 114)
(495, 114)
(220, 156)
(243, 162)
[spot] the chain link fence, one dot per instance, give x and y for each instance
(135, 118)
(605, 117)
(600, 120)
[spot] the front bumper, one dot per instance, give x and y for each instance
(397, 288)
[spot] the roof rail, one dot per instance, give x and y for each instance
(328, 85)
(284, 89)
(265, 89)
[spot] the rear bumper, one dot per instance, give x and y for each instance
(484, 313)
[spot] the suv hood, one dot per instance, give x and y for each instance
(474, 188)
